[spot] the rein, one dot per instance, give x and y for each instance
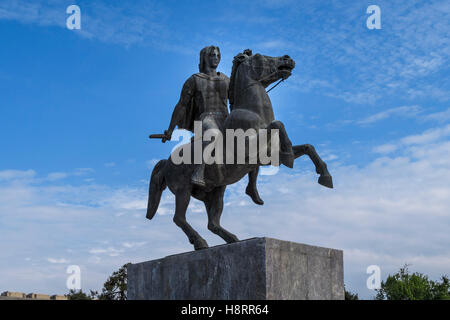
(259, 81)
(281, 80)
(275, 85)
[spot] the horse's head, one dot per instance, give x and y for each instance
(256, 68)
(264, 69)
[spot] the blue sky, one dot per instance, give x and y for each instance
(77, 107)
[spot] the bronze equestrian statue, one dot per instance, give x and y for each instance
(204, 98)
(251, 108)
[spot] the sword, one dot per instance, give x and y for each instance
(158, 136)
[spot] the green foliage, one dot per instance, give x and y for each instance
(80, 295)
(350, 296)
(415, 286)
(115, 288)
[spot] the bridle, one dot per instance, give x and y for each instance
(262, 79)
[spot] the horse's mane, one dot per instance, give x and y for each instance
(236, 62)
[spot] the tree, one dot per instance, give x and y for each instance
(350, 296)
(415, 286)
(80, 295)
(115, 288)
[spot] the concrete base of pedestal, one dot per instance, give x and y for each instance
(254, 269)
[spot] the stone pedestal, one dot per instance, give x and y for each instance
(255, 269)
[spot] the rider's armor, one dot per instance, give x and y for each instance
(207, 98)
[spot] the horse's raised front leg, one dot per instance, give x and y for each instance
(182, 200)
(325, 178)
(214, 207)
(286, 153)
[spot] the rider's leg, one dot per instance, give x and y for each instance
(251, 189)
(198, 177)
(199, 168)
(208, 123)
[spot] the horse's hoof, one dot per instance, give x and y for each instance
(200, 244)
(232, 239)
(287, 158)
(326, 181)
(254, 195)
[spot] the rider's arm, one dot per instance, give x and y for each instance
(179, 113)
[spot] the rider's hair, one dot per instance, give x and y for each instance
(206, 51)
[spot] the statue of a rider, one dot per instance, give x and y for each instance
(204, 98)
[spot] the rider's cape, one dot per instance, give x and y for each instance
(187, 121)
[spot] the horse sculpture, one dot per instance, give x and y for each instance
(251, 108)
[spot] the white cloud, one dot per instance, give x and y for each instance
(441, 116)
(83, 171)
(129, 24)
(385, 148)
(16, 174)
(27, 12)
(133, 244)
(58, 261)
(340, 58)
(426, 137)
(57, 176)
(111, 251)
(405, 112)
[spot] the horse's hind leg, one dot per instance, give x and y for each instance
(214, 207)
(251, 189)
(182, 200)
(325, 178)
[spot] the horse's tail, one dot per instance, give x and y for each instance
(157, 186)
